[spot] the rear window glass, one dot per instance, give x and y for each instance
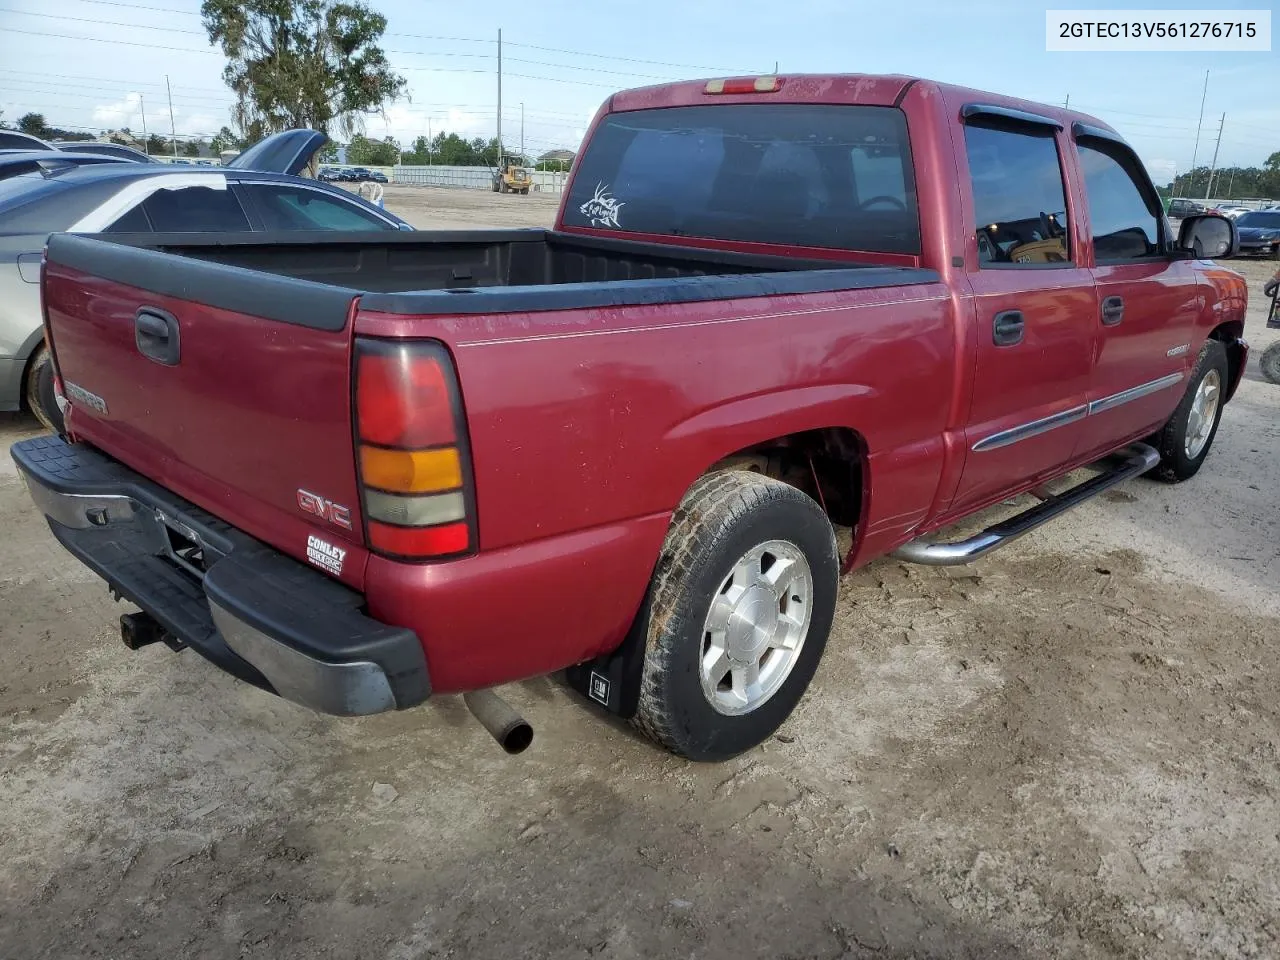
(816, 176)
(33, 203)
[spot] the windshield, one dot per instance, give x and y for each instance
(1256, 219)
(817, 176)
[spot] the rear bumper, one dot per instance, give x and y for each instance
(249, 609)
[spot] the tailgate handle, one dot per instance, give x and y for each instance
(156, 333)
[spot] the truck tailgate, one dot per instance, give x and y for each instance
(229, 387)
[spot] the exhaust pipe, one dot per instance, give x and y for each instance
(511, 730)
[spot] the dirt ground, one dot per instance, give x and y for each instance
(1069, 750)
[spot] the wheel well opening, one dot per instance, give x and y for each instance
(826, 464)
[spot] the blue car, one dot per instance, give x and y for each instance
(259, 190)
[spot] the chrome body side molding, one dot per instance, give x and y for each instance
(1134, 393)
(1032, 429)
(1102, 405)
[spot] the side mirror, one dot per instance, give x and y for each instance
(1208, 236)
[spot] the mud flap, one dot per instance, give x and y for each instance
(612, 680)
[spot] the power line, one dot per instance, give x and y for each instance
(104, 23)
(123, 43)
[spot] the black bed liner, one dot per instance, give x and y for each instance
(311, 278)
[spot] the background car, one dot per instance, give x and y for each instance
(1230, 211)
(1180, 208)
(258, 191)
(17, 140)
(16, 163)
(1259, 232)
(118, 150)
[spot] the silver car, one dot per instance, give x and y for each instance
(259, 191)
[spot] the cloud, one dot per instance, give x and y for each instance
(129, 112)
(1162, 171)
(123, 113)
(406, 123)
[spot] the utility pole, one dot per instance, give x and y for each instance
(1231, 183)
(1214, 166)
(1066, 104)
(1196, 152)
(428, 141)
(173, 133)
(142, 106)
(522, 131)
(499, 96)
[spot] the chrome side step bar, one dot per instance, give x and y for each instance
(1138, 459)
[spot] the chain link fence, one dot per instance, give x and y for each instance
(468, 178)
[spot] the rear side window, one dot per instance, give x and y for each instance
(1019, 201)
(817, 176)
(1125, 223)
(300, 208)
(195, 208)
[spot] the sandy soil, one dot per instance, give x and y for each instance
(1070, 750)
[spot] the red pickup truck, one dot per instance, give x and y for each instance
(362, 471)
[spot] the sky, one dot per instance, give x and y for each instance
(97, 64)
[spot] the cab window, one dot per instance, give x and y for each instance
(1019, 200)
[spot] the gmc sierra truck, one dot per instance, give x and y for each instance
(361, 471)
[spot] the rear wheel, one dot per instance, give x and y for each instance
(743, 597)
(1270, 362)
(39, 393)
(1185, 440)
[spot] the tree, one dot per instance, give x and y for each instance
(372, 153)
(226, 139)
(302, 63)
(157, 144)
(328, 153)
(191, 148)
(33, 124)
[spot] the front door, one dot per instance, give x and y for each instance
(1036, 311)
(1147, 308)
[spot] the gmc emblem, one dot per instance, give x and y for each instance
(318, 506)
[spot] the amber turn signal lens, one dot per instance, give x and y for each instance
(411, 471)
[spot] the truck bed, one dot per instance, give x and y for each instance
(453, 272)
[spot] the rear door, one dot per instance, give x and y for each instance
(1035, 303)
(1147, 303)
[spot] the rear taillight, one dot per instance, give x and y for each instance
(414, 466)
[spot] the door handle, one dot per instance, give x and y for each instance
(1112, 311)
(1007, 328)
(156, 334)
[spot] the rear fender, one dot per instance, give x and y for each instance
(749, 421)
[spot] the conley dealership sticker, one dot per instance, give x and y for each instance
(325, 555)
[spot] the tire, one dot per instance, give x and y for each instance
(1179, 459)
(38, 391)
(1269, 362)
(733, 526)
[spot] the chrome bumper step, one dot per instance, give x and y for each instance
(1138, 459)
